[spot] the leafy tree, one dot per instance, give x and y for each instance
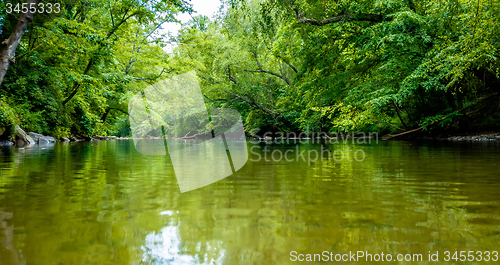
(287, 65)
(70, 83)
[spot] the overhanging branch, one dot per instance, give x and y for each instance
(261, 70)
(341, 18)
(151, 78)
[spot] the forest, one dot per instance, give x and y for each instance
(335, 66)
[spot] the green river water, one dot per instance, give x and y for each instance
(104, 203)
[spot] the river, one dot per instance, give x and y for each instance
(104, 203)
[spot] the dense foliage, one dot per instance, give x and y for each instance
(286, 65)
(83, 64)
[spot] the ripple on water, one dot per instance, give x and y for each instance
(104, 203)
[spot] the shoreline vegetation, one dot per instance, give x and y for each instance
(23, 139)
(407, 69)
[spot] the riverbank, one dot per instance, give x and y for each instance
(468, 137)
(478, 137)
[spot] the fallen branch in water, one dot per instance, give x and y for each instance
(196, 135)
(407, 132)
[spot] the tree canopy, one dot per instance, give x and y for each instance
(286, 65)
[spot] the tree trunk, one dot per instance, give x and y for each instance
(77, 85)
(8, 47)
(398, 111)
(93, 59)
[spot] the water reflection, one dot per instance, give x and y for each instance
(7, 248)
(103, 203)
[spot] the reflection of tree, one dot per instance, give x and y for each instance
(97, 202)
(82, 203)
(8, 252)
(176, 104)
